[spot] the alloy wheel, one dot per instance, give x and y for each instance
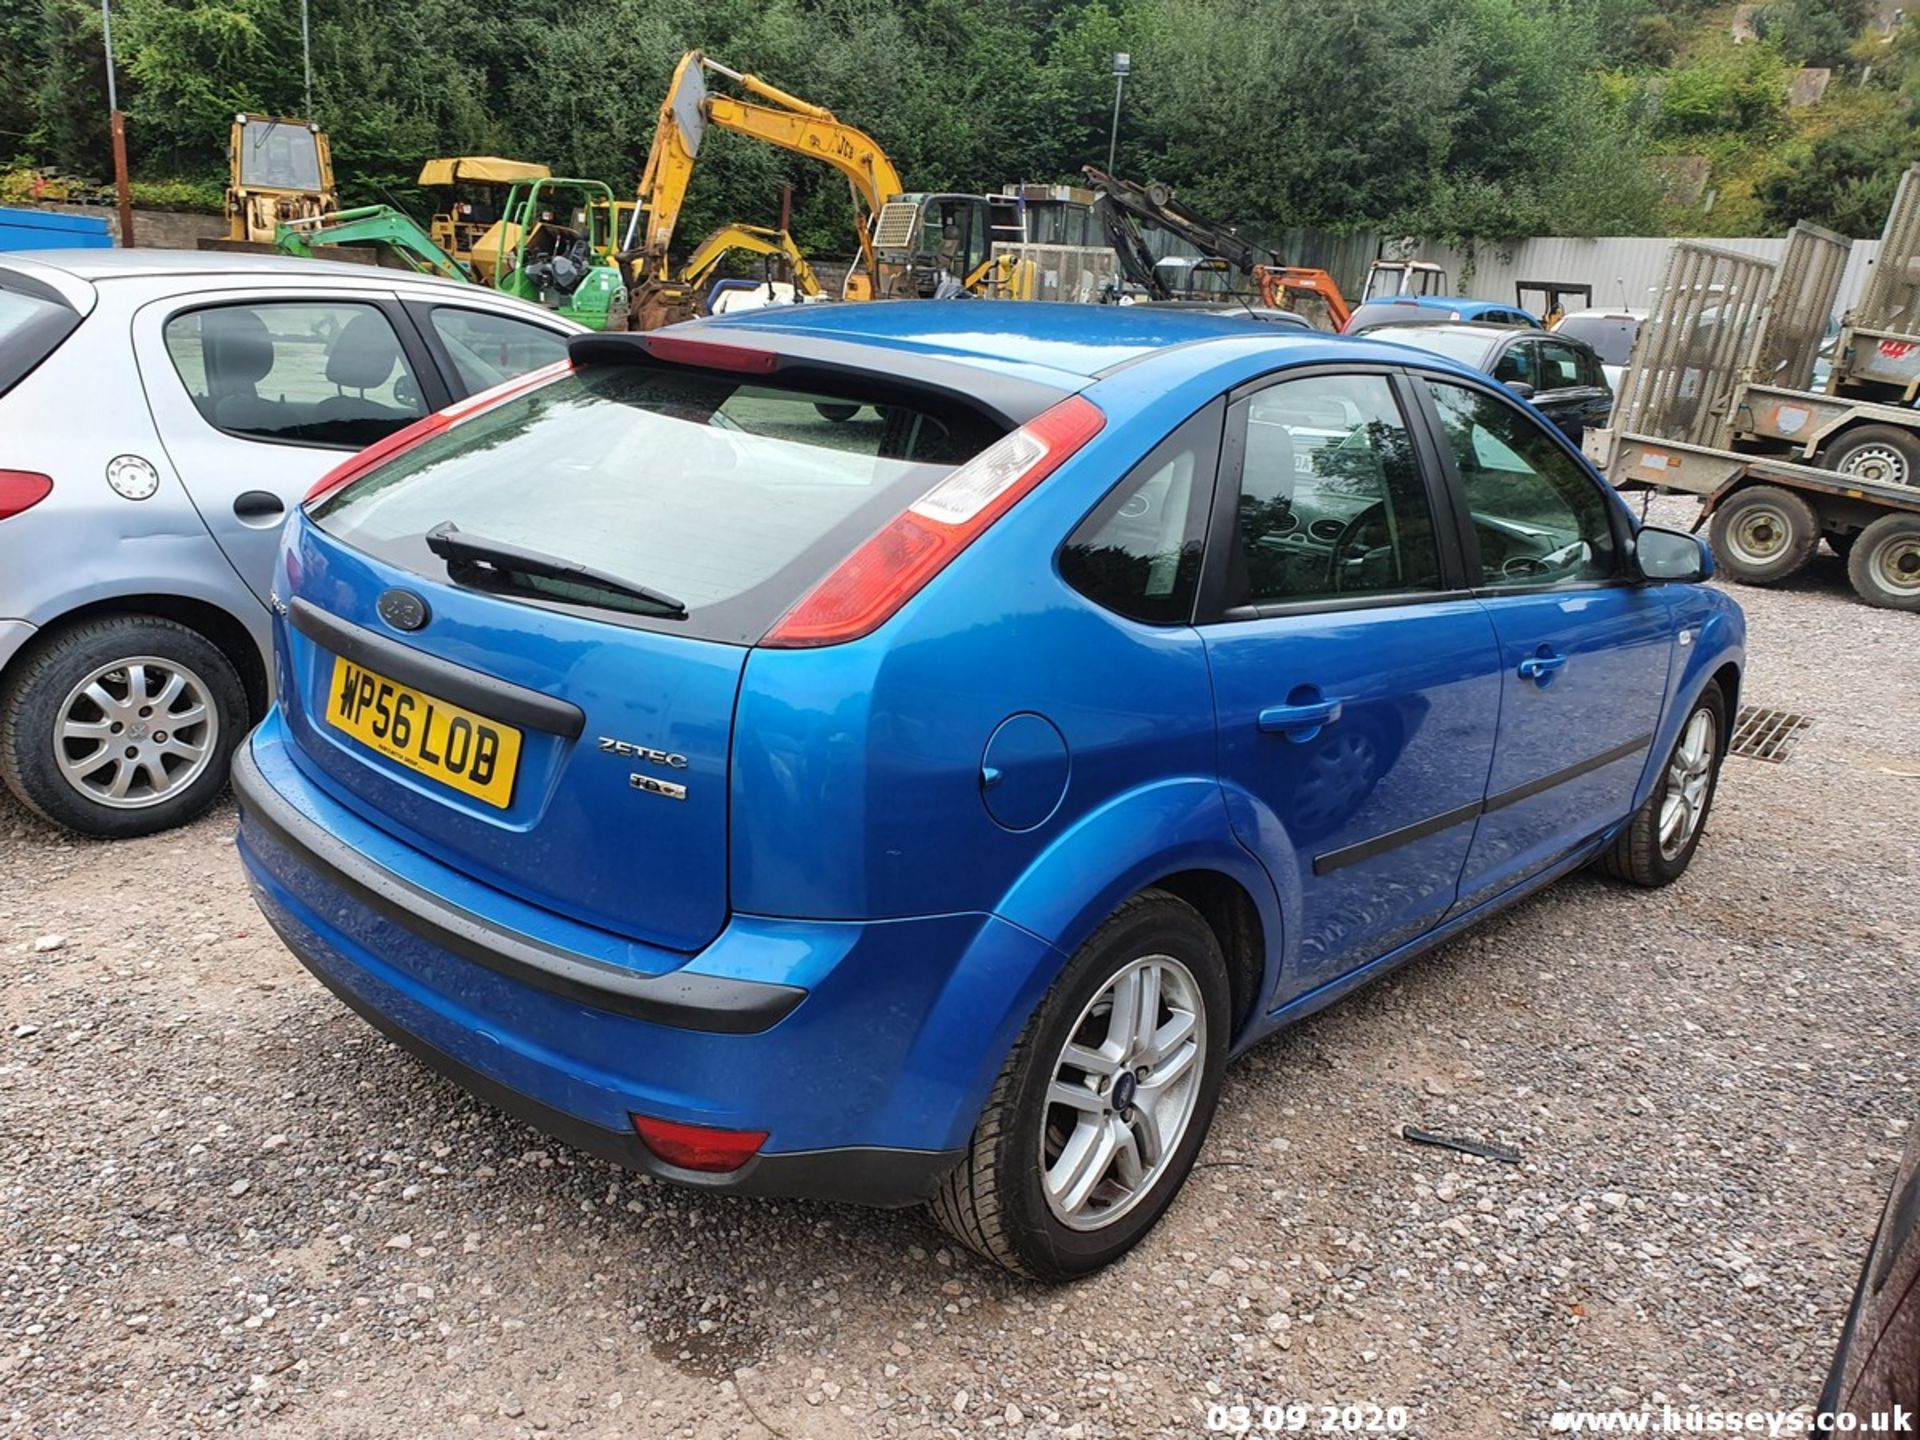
(1123, 1092)
(136, 732)
(1689, 777)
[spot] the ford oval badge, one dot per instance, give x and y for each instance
(403, 610)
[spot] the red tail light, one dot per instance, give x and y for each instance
(22, 490)
(892, 567)
(428, 426)
(699, 1147)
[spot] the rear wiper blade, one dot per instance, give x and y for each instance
(448, 542)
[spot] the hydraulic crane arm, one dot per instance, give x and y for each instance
(1155, 205)
(380, 227)
(785, 121)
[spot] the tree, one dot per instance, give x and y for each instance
(1844, 181)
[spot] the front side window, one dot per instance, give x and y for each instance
(1539, 518)
(1331, 501)
(1516, 366)
(301, 372)
(486, 348)
(1139, 552)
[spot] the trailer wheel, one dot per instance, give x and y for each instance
(1885, 563)
(1877, 454)
(1763, 535)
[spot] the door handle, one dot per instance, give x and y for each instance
(1541, 666)
(1300, 723)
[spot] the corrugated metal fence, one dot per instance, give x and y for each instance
(1623, 270)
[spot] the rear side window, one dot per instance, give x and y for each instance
(32, 325)
(302, 373)
(1139, 552)
(733, 498)
(486, 348)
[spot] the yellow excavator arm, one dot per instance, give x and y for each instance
(784, 120)
(761, 240)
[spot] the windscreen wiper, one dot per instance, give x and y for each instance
(448, 542)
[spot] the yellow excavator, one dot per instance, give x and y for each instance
(279, 170)
(777, 245)
(911, 245)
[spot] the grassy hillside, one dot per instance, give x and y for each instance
(1709, 92)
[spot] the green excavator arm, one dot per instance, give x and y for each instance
(377, 227)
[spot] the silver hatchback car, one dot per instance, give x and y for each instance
(161, 413)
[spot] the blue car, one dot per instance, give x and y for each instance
(900, 752)
(1436, 309)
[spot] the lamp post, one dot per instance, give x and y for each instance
(306, 59)
(1122, 65)
(118, 123)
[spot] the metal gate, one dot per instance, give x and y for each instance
(1694, 345)
(1797, 312)
(1891, 301)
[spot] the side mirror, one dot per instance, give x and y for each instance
(1664, 555)
(1520, 388)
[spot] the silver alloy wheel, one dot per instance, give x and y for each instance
(1758, 534)
(1877, 464)
(1689, 774)
(1895, 563)
(136, 733)
(1123, 1092)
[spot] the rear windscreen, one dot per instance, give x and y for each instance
(734, 498)
(32, 325)
(1611, 336)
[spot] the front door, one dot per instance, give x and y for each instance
(1569, 389)
(1584, 648)
(1356, 679)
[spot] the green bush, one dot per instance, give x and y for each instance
(1811, 32)
(1736, 92)
(1844, 181)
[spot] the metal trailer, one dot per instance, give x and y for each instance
(1716, 402)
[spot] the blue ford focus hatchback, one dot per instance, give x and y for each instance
(899, 752)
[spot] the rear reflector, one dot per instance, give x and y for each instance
(891, 568)
(22, 490)
(698, 1147)
(429, 426)
(676, 350)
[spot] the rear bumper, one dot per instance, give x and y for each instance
(863, 1049)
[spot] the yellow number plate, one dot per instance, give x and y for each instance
(468, 752)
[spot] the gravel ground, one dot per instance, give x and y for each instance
(225, 1204)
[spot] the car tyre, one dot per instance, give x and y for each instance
(1877, 454)
(1645, 853)
(1763, 535)
(1007, 1199)
(1884, 564)
(46, 714)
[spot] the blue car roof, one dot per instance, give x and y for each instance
(1041, 338)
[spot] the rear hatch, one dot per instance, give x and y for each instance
(517, 643)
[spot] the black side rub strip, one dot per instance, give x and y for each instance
(1347, 855)
(487, 695)
(1393, 839)
(1561, 777)
(691, 1002)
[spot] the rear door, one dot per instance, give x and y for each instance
(478, 347)
(1570, 390)
(256, 396)
(1356, 678)
(1584, 650)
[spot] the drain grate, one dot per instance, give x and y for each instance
(1763, 734)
